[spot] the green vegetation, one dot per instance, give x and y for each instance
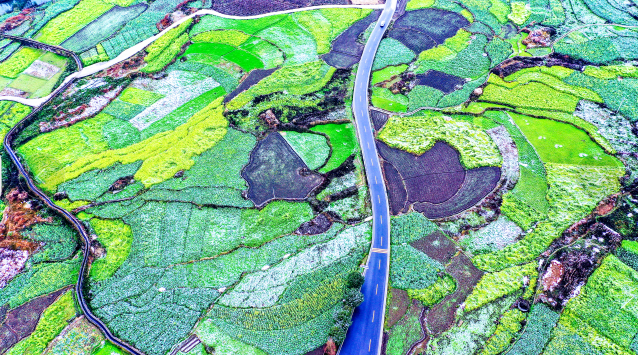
(297, 80)
(40, 279)
(201, 132)
(386, 73)
(540, 323)
(231, 37)
(392, 52)
(508, 326)
(609, 291)
(139, 97)
(51, 323)
(628, 253)
(433, 294)
(417, 134)
(410, 227)
(19, 61)
(312, 148)
(164, 49)
(574, 191)
(69, 22)
(412, 269)
(223, 344)
(405, 333)
(342, 140)
(385, 99)
(496, 285)
(116, 238)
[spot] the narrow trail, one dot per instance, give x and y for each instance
(82, 72)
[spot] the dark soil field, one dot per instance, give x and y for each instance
(253, 78)
(346, 50)
(437, 246)
(397, 194)
(21, 321)
(441, 316)
(399, 304)
(317, 225)
(478, 183)
(415, 40)
(275, 172)
(436, 24)
(441, 81)
(378, 119)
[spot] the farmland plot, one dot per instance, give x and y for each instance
(178, 191)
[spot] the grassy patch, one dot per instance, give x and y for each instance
(342, 140)
(19, 62)
(116, 237)
(312, 148)
(562, 143)
(392, 52)
(412, 269)
(385, 99)
(386, 73)
(496, 285)
(139, 97)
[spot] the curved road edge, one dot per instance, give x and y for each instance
(77, 225)
(365, 335)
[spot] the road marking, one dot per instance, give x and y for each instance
(368, 145)
(376, 290)
(371, 162)
(369, 345)
(375, 180)
(381, 217)
(379, 264)
(373, 316)
(379, 197)
(365, 129)
(379, 250)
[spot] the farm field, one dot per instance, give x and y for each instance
(207, 193)
(514, 132)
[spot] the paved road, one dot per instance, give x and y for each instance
(366, 332)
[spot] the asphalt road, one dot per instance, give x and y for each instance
(366, 332)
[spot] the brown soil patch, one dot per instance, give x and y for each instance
(441, 316)
(18, 215)
(437, 246)
(399, 304)
(20, 322)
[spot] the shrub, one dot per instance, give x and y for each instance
(353, 298)
(355, 280)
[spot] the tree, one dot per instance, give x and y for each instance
(355, 280)
(353, 298)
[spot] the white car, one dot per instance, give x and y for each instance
(382, 23)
